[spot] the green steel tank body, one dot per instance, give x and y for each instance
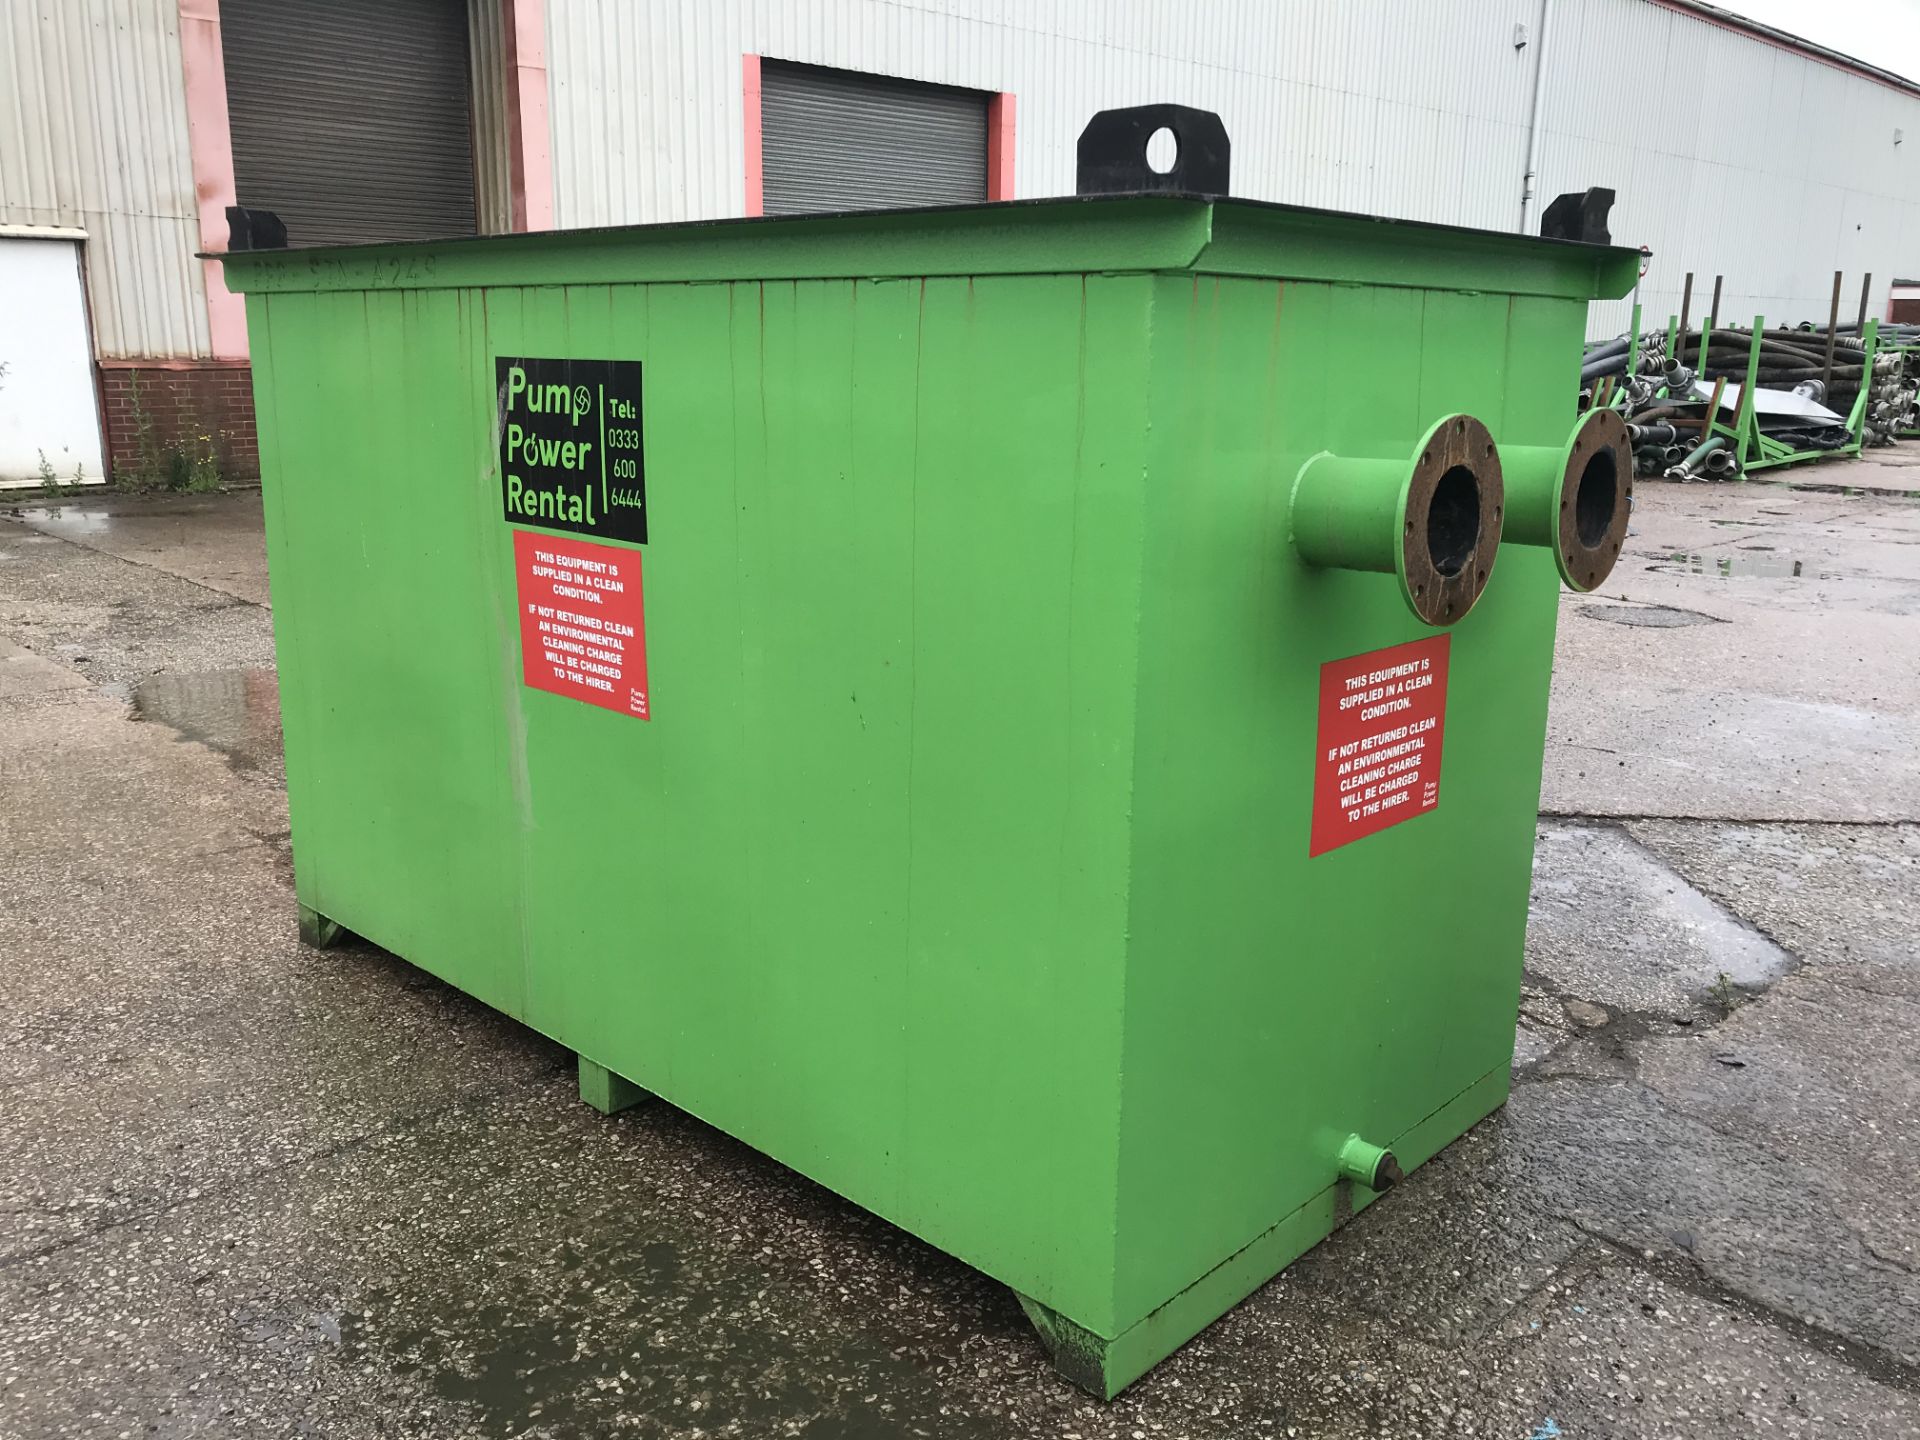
(963, 849)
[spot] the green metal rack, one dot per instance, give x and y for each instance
(1758, 451)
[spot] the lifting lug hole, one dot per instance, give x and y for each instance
(1162, 151)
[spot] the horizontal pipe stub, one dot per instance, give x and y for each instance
(1574, 498)
(1433, 521)
(1370, 1165)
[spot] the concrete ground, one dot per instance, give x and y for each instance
(248, 1189)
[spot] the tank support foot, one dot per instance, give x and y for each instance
(1082, 1357)
(320, 932)
(605, 1091)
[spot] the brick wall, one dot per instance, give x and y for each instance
(177, 402)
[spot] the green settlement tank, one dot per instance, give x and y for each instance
(955, 699)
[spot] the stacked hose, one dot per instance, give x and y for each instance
(1802, 360)
(1788, 357)
(1662, 413)
(1894, 408)
(1893, 405)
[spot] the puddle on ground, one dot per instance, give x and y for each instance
(64, 520)
(236, 712)
(1655, 617)
(1753, 563)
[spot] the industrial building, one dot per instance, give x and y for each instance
(134, 124)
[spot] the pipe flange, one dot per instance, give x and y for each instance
(1453, 507)
(1596, 501)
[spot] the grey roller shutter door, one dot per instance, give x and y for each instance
(834, 140)
(351, 118)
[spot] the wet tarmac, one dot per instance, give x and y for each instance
(236, 712)
(251, 1189)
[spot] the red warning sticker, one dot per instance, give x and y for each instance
(582, 630)
(1378, 760)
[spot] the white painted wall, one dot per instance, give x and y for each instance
(47, 403)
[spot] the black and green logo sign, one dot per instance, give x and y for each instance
(571, 456)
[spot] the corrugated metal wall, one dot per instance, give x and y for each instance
(1775, 174)
(93, 134)
(1775, 171)
(1357, 104)
(492, 179)
(1729, 154)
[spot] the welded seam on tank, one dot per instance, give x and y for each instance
(1150, 319)
(513, 717)
(902, 1179)
(1059, 1004)
(272, 437)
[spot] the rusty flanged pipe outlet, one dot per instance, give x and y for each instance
(1432, 521)
(1574, 498)
(1370, 1165)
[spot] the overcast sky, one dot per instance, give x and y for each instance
(1885, 33)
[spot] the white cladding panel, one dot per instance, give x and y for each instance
(1355, 104)
(93, 136)
(1736, 157)
(1730, 154)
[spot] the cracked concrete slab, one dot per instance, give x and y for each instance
(210, 540)
(1811, 1078)
(1628, 1166)
(1801, 707)
(1666, 948)
(24, 673)
(1616, 1351)
(247, 1189)
(1842, 896)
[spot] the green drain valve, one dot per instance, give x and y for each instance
(1370, 1165)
